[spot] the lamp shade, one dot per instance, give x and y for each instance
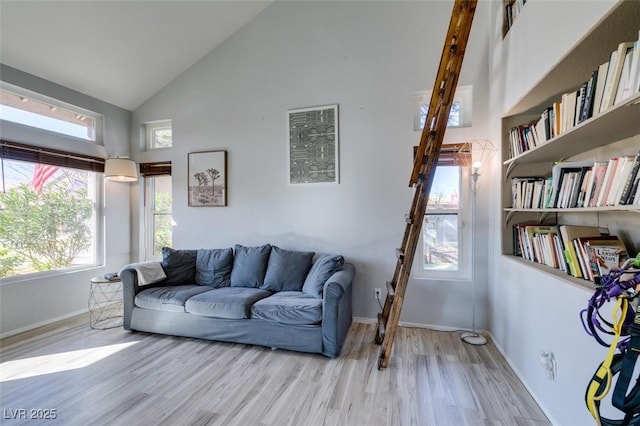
(120, 170)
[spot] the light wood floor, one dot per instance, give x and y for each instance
(114, 377)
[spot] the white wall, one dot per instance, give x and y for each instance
(530, 311)
(26, 303)
(368, 57)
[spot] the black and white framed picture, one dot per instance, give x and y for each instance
(313, 145)
(207, 172)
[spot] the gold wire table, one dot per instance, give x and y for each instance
(105, 303)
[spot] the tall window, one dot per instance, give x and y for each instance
(444, 250)
(48, 213)
(158, 230)
(21, 106)
(159, 134)
(442, 222)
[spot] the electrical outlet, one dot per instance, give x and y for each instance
(548, 363)
(378, 294)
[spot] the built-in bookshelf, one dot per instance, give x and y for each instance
(613, 132)
(510, 11)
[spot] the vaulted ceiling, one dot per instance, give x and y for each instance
(121, 52)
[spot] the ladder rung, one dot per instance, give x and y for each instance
(400, 254)
(391, 291)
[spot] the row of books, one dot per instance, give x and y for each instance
(577, 184)
(587, 252)
(512, 9)
(611, 83)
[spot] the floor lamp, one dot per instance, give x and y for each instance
(477, 153)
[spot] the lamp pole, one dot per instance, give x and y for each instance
(472, 337)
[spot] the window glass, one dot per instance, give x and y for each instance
(159, 134)
(38, 111)
(158, 213)
(459, 115)
(440, 231)
(47, 218)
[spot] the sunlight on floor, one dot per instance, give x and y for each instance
(55, 363)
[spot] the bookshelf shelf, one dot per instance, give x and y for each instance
(616, 123)
(511, 212)
(578, 282)
(614, 132)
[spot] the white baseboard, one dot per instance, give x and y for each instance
(42, 323)
(418, 325)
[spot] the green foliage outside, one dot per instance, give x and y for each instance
(163, 228)
(45, 231)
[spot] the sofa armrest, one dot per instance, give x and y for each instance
(131, 287)
(337, 310)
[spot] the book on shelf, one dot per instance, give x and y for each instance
(627, 187)
(557, 174)
(604, 256)
(568, 233)
(607, 181)
(599, 90)
(616, 62)
(587, 106)
(625, 165)
(599, 170)
(623, 91)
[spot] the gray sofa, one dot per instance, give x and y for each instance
(253, 295)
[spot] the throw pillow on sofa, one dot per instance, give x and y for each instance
(287, 269)
(179, 266)
(213, 267)
(322, 269)
(249, 265)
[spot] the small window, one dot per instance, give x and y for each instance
(32, 109)
(459, 116)
(159, 134)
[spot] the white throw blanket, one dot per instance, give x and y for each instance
(148, 272)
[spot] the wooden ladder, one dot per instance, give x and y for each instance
(426, 158)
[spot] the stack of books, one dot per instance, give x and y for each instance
(587, 252)
(577, 184)
(611, 83)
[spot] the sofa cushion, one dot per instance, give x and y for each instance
(171, 298)
(249, 265)
(287, 269)
(179, 265)
(289, 307)
(225, 302)
(213, 267)
(320, 272)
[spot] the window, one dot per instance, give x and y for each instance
(48, 219)
(31, 109)
(459, 116)
(443, 252)
(158, 201)
(159, 134)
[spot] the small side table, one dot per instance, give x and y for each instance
(105, 303)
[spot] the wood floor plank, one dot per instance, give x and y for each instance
(115, 377)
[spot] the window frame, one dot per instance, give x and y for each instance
(151, 171)
(153, 126)
(98, 240)
(55, 104)
(463, 95)
(463, 212)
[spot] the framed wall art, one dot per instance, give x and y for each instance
(207, 179)
(313, 145)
